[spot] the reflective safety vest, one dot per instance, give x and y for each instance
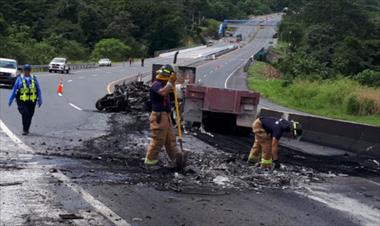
(28, 93)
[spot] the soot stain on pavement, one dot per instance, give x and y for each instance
(210, 170)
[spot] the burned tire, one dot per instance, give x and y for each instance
(99, 105)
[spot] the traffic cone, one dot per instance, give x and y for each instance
(60, 89)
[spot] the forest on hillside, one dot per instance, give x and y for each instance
(34, 31)
(327, 39)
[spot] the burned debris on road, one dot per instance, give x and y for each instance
(127, 97)
(216, 165)
(209, 169)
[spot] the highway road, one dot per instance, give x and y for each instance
(82, 162)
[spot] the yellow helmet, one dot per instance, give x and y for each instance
(165, 72)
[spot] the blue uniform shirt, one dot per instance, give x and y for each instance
(275, 127)
(18, 85)
(159, 103)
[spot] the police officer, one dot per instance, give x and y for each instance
(27, 92)
(160, 122)
(268, 131)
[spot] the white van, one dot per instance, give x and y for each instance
(8, 71)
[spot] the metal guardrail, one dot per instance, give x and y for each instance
(42, 68)
(248, 64)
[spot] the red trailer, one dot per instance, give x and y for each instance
(200, 100)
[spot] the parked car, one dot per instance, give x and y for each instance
(105, 62)
(59, 64)
(8, 71)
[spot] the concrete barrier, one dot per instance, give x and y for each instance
(181, 50)
(353, 137)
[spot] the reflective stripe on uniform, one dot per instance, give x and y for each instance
(266, 161)
(28, 93)
(252, 158)
(150, 162)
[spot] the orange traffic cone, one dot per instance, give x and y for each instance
(60, 89)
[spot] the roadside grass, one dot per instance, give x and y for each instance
(281, 48)
(339, 99)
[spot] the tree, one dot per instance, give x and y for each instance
(111, 48)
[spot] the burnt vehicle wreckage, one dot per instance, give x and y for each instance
(133, 96)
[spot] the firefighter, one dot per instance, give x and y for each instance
(160, 122)
(268, 131)
(27, 92)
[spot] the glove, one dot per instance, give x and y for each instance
(9, 103)
(173, 78)
(39, 103)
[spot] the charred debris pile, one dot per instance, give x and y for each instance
(127, 97)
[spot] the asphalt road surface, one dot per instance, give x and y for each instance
(43, 180)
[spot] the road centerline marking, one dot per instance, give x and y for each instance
(76, 107)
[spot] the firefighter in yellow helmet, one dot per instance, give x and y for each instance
(27, 92)
(268, 131)
(160, 122)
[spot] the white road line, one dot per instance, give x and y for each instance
(228, 78)
(99, 206)
(76, 107)
(81, 77)
(68, 81)
(367, 215)
(14, 138)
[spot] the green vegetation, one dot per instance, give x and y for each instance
(211, 28)
(335, 98)
(34, 31)
(328, 60)
(331, 38)
(112, 48)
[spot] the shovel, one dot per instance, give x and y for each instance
(181, 156)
